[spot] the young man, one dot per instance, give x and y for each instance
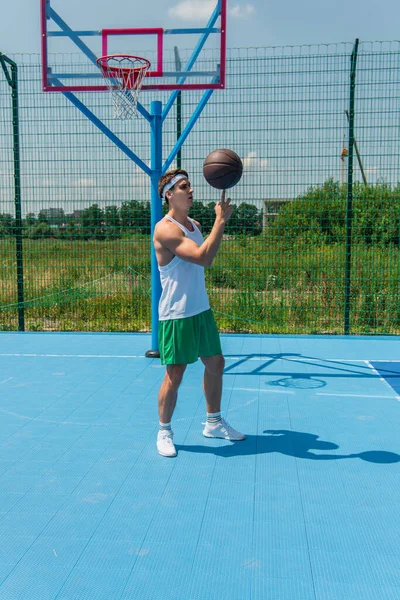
(187, 330)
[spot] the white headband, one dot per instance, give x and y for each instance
(171, 183)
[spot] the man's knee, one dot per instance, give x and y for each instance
(215, 364)
(174, 375)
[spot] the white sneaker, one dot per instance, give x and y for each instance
(165, 443)
(223, 430)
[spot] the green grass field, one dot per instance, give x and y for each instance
(255, 285)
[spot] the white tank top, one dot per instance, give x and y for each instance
(183, 285)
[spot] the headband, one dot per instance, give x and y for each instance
(171, 183)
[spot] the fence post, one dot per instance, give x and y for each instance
(178, 67)
(156, 214)
(349, 209)
(13, 83)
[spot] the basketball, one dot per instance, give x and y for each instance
(222, 169)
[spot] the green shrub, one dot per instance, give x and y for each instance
(319, 216)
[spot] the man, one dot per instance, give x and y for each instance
(187, 329)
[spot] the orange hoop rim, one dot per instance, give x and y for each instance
(102, 61)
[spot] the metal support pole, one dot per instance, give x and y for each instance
(349, 211)
(178, 67)
(13, 83)
(156, 214)
(358, 154)
(179, 128)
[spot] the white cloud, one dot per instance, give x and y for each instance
(85, 183)
(140, 179)
(196, 10)
(247, 162)
(252, 161)
(241, 12)
(192, 10)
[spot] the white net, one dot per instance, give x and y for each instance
(124, 76)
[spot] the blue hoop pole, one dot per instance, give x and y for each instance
(156, 214)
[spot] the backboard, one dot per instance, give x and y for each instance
(203, 69)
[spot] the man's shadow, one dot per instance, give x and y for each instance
(290, 443)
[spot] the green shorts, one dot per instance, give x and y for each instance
(182, 341)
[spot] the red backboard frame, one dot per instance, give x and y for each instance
(156, 71)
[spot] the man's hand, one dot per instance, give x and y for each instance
(223, 208)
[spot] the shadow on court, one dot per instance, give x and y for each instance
(289, 443)
(314, 368)
(244, 365)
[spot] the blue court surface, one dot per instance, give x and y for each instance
(306, 508)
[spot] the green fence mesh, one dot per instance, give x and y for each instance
(281, 267)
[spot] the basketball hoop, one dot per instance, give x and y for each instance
(124, 75)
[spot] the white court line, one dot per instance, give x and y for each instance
(306, 359)
(51, 421)
(382, 378)
(258, 359)
(78, 355)
(356, 395)
(242, 389)
(374, 370)
(382, 360)
(5, 380)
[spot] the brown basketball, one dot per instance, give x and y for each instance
(222, 169)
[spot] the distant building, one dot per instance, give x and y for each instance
(54, 216)
(271, 208)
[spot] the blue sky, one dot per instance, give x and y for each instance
(250, 22)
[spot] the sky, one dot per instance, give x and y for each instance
(250, 22)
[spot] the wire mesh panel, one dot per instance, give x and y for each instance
(86, 218)
(281, 266)
(375, 254)
(8, 263)
(290, 103)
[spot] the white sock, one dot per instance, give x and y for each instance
(213, 418)
(165, 426)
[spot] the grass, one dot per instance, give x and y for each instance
(256, 285)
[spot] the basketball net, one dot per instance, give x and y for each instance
(124, 76)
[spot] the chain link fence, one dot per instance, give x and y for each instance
(304, 252)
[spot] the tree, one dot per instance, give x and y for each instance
(131, 216)
(112, 222)
(135, 217)
(319, 215)
(30, 219)
(145, 226)
(92, 222)
(7, 224)
(69, 232)
(42, 217)
(40, 231)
